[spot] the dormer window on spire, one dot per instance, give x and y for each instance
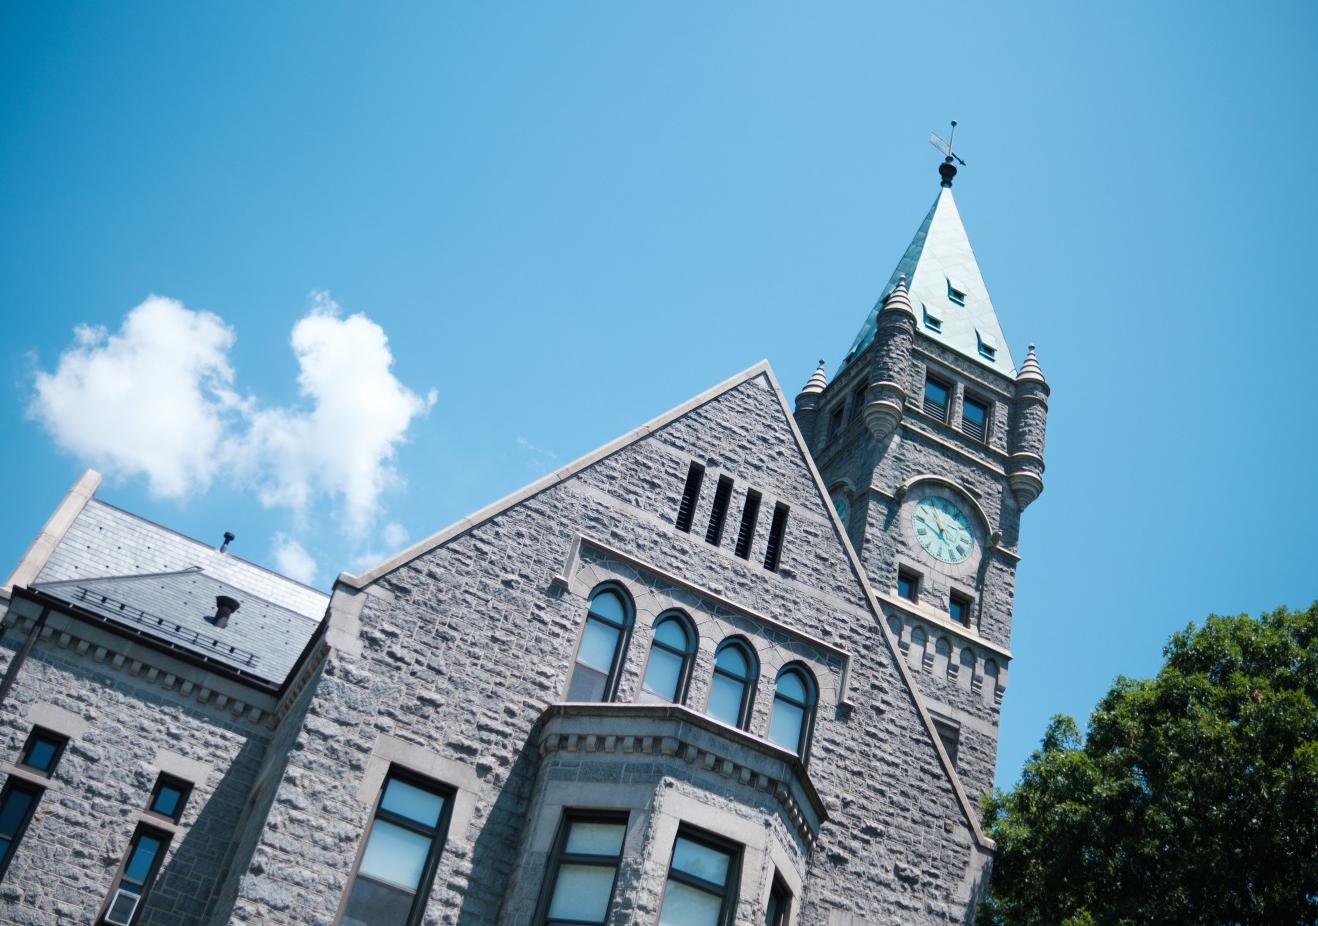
(957, 296)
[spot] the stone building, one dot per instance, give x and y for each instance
(741, 665)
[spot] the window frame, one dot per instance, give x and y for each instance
(614, 676)
(182, 785)
(913, 579)
(730, 891)
(966, 603)
(926, 407)
(858, 394)
(58, 740)
(970, 398)
(809, 708)
(836, 419)
(559, 853)
(438, 838)
(748, 684)
(778, 910)
(165, 838)
(36, 792)
(688, 657)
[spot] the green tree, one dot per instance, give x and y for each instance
(1192, 799)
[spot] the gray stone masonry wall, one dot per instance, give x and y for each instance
(66, 862)
(463, 648)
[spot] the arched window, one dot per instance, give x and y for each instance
(731, 690)
(595, 676)
(793, 709)
(669, 667)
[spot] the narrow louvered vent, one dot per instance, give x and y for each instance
(719, 514)
(776, 530)
(750, 513)
(974, 418)
(690, 495)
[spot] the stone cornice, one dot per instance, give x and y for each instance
(943, 623)
(684, 735)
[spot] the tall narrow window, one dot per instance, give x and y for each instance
(793, 709)
(18, 801)
(974, 418)
(835, 420)
(935, 398)
(695, 475)
(949, 733)
(779, 909)
(750, 513)
(595, 676)
(583, 870)
(702, 882)
(719, 513)
(777, 527)
(733, 684)
(669, 667)
(858, 400)
(139, 870)
(398, 861)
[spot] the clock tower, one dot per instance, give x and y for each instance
(930, 441)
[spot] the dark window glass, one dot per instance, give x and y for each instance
(18, 801)
(402, 849)
(695, 475)
(169, 796)
(779, 910)
(835, 421)
(950, 735)
(935, 398)
(974, 418)
(702, 882)
(42, 750)
(908, 585)
(583, 870)
(793, 710)
(595, 672)
(958, 608)
(750, 513)
(956, 295)
(670, 661)
(719, 513)
(858, 400)
(141, 864)
(777, 527)
(732, 685)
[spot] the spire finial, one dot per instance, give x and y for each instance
(947, 169)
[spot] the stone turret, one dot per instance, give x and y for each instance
(891, 363)
(1029, 416)
(807, 403)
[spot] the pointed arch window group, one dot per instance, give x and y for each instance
(669, 668)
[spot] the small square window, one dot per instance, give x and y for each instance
(935, 398)
(957, 296)
(933, 323)
(42, 750)
(908, 585)
(958, 608)
(169, 796)
(974, 418)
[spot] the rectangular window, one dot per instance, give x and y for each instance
(950, 735)
(958, 608)
(908, 585)
(398, 861)
(141, 865)
(42, 750)
(835, 420)
(18, 801)
(777, 527)
(169, 796)
(974, 418)
(719, 513)
(935, 398)
(750, 513)
(858, 400)
(702, 881)
(695, 475)
(779, 910)
(583, 870)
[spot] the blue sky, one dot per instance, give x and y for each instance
(566, 218)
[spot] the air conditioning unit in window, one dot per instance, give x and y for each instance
(122, 908)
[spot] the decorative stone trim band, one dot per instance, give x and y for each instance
(685, 736)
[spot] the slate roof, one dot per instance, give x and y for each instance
(938, 258)
(166, 584)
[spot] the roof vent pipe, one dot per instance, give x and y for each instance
(228, 539)
(224, 606)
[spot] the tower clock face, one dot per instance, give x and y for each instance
(942, 529)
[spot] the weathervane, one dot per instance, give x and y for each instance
(947, 170)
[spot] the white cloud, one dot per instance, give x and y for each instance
(157, 399)
(535, 456)
(292, 559)
(150, 400)
(394, 535)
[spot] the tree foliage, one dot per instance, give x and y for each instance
(1193, 798)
